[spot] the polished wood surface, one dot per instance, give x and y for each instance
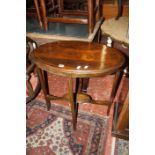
(121, 124)
(75, 59)
(123, 120)
(78, 59)
(32, 92)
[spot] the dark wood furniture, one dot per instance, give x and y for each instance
(33, 9)
(121, 119)
(110, 8)
(32, 91)
(92, 14)
(117, 28)
(77, 60)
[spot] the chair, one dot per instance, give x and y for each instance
(116, 29)
(116, 32)
(32, 91)
(91, 13)
(33, 9)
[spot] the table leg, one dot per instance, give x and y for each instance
(44, 14)
(85, 83)
(38, 12)
(44, 88)
(114, 89)
(45, 78)
(82, 84)
(72, 103)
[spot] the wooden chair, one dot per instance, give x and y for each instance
(32, 91)
(33, 9)
(92, 14)
(116, 29)
(73, 4)
(116, 32)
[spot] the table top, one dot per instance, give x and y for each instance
(77, 59)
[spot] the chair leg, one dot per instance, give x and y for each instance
(120, 9)
(38, 12)
(44, 14)
(90, 16)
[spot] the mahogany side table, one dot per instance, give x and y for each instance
(74, 59)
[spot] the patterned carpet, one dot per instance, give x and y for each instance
(121, 147)
(99, 89)
(50, 132)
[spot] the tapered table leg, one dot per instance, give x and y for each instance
(85, 83)
(73, 103)
(114, 89)
(44, 88)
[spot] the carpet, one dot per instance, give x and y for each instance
(121, 147)
(50, 132)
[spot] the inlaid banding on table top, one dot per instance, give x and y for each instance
(71, 57)
(79, 52)
(75, 59)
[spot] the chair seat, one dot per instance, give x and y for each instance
(116, 29)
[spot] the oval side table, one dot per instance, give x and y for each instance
(74, 59)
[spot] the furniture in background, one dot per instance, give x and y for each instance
(77, 60)
(116, 29)
(116, 32)
(89, 16)
(33, 9)
(121, 119)
(110, 8)
(32, 91)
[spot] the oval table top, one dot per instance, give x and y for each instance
(77, 59)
